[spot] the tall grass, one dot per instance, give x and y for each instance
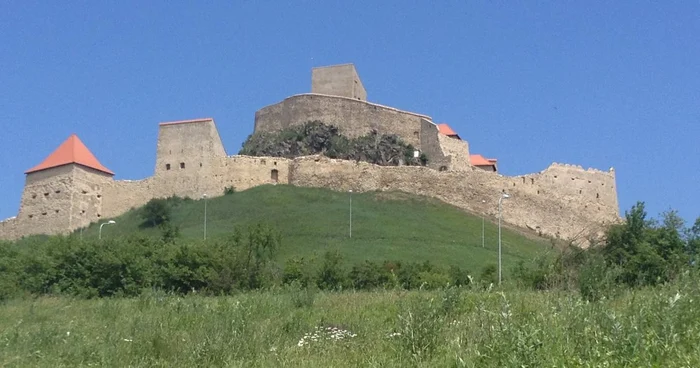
(657, 327)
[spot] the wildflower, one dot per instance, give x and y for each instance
(67, 333)
(672, 300)
(128, 340)
(328, 333)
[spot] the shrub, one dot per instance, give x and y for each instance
(330, 275)
(368, 275)
(157, 211)
(489, 275)
(315, 137)
(459, 276)
(229, 190)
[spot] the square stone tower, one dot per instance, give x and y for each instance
(338, 80)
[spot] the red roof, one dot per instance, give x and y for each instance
(446, 130)
(71, 151)
(479, 160)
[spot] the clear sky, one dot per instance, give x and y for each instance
(596, 83)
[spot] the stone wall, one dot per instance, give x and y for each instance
(338, 80)
(239, 172)
(564, 200)
(549, 202)
(457, 150)
(430, 145)
(187, 146)
(8, 229)
(354, 118)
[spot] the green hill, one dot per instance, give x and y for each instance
(385, 226)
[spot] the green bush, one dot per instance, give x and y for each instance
(331, 275)
(489, 275)
(156, 212)
(369, 275)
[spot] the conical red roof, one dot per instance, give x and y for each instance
(72, 151)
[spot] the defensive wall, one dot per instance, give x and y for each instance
(563, 201)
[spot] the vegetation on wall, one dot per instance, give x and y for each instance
(315, 137)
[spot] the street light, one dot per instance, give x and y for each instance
(503, 196)
(483, 242)
(110, 222)
(205, 215)
(350, 191)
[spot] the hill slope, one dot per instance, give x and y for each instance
(385, 226)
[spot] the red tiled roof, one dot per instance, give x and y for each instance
(479, 160)
(446, 130)
(71, 151)
(202, 120)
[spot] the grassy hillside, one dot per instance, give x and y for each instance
(386, 226)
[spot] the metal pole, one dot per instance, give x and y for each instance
(483, 236)
(351, 213)
(499, 240)
(482, 232)
(110, 222)
(205, 217)
(500, 215)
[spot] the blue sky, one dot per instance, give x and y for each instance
(594, 83)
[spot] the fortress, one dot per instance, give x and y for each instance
(71, 188)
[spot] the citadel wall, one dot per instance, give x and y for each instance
(352, 117)
(562, 201)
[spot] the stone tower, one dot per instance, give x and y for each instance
(187, 152)
(63, 192)
(338, 80)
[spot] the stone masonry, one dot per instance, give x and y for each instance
(562, 201)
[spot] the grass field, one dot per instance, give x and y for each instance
(657, 327)
(386, 226)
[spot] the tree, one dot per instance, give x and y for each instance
(156, 212)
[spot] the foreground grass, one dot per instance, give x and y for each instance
(452, 328)
(386, 226)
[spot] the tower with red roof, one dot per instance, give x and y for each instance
(64, 191)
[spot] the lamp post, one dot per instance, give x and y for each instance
(110, 222)
(483, 242)
(205, 215)
(503, 196)
(350, 191)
